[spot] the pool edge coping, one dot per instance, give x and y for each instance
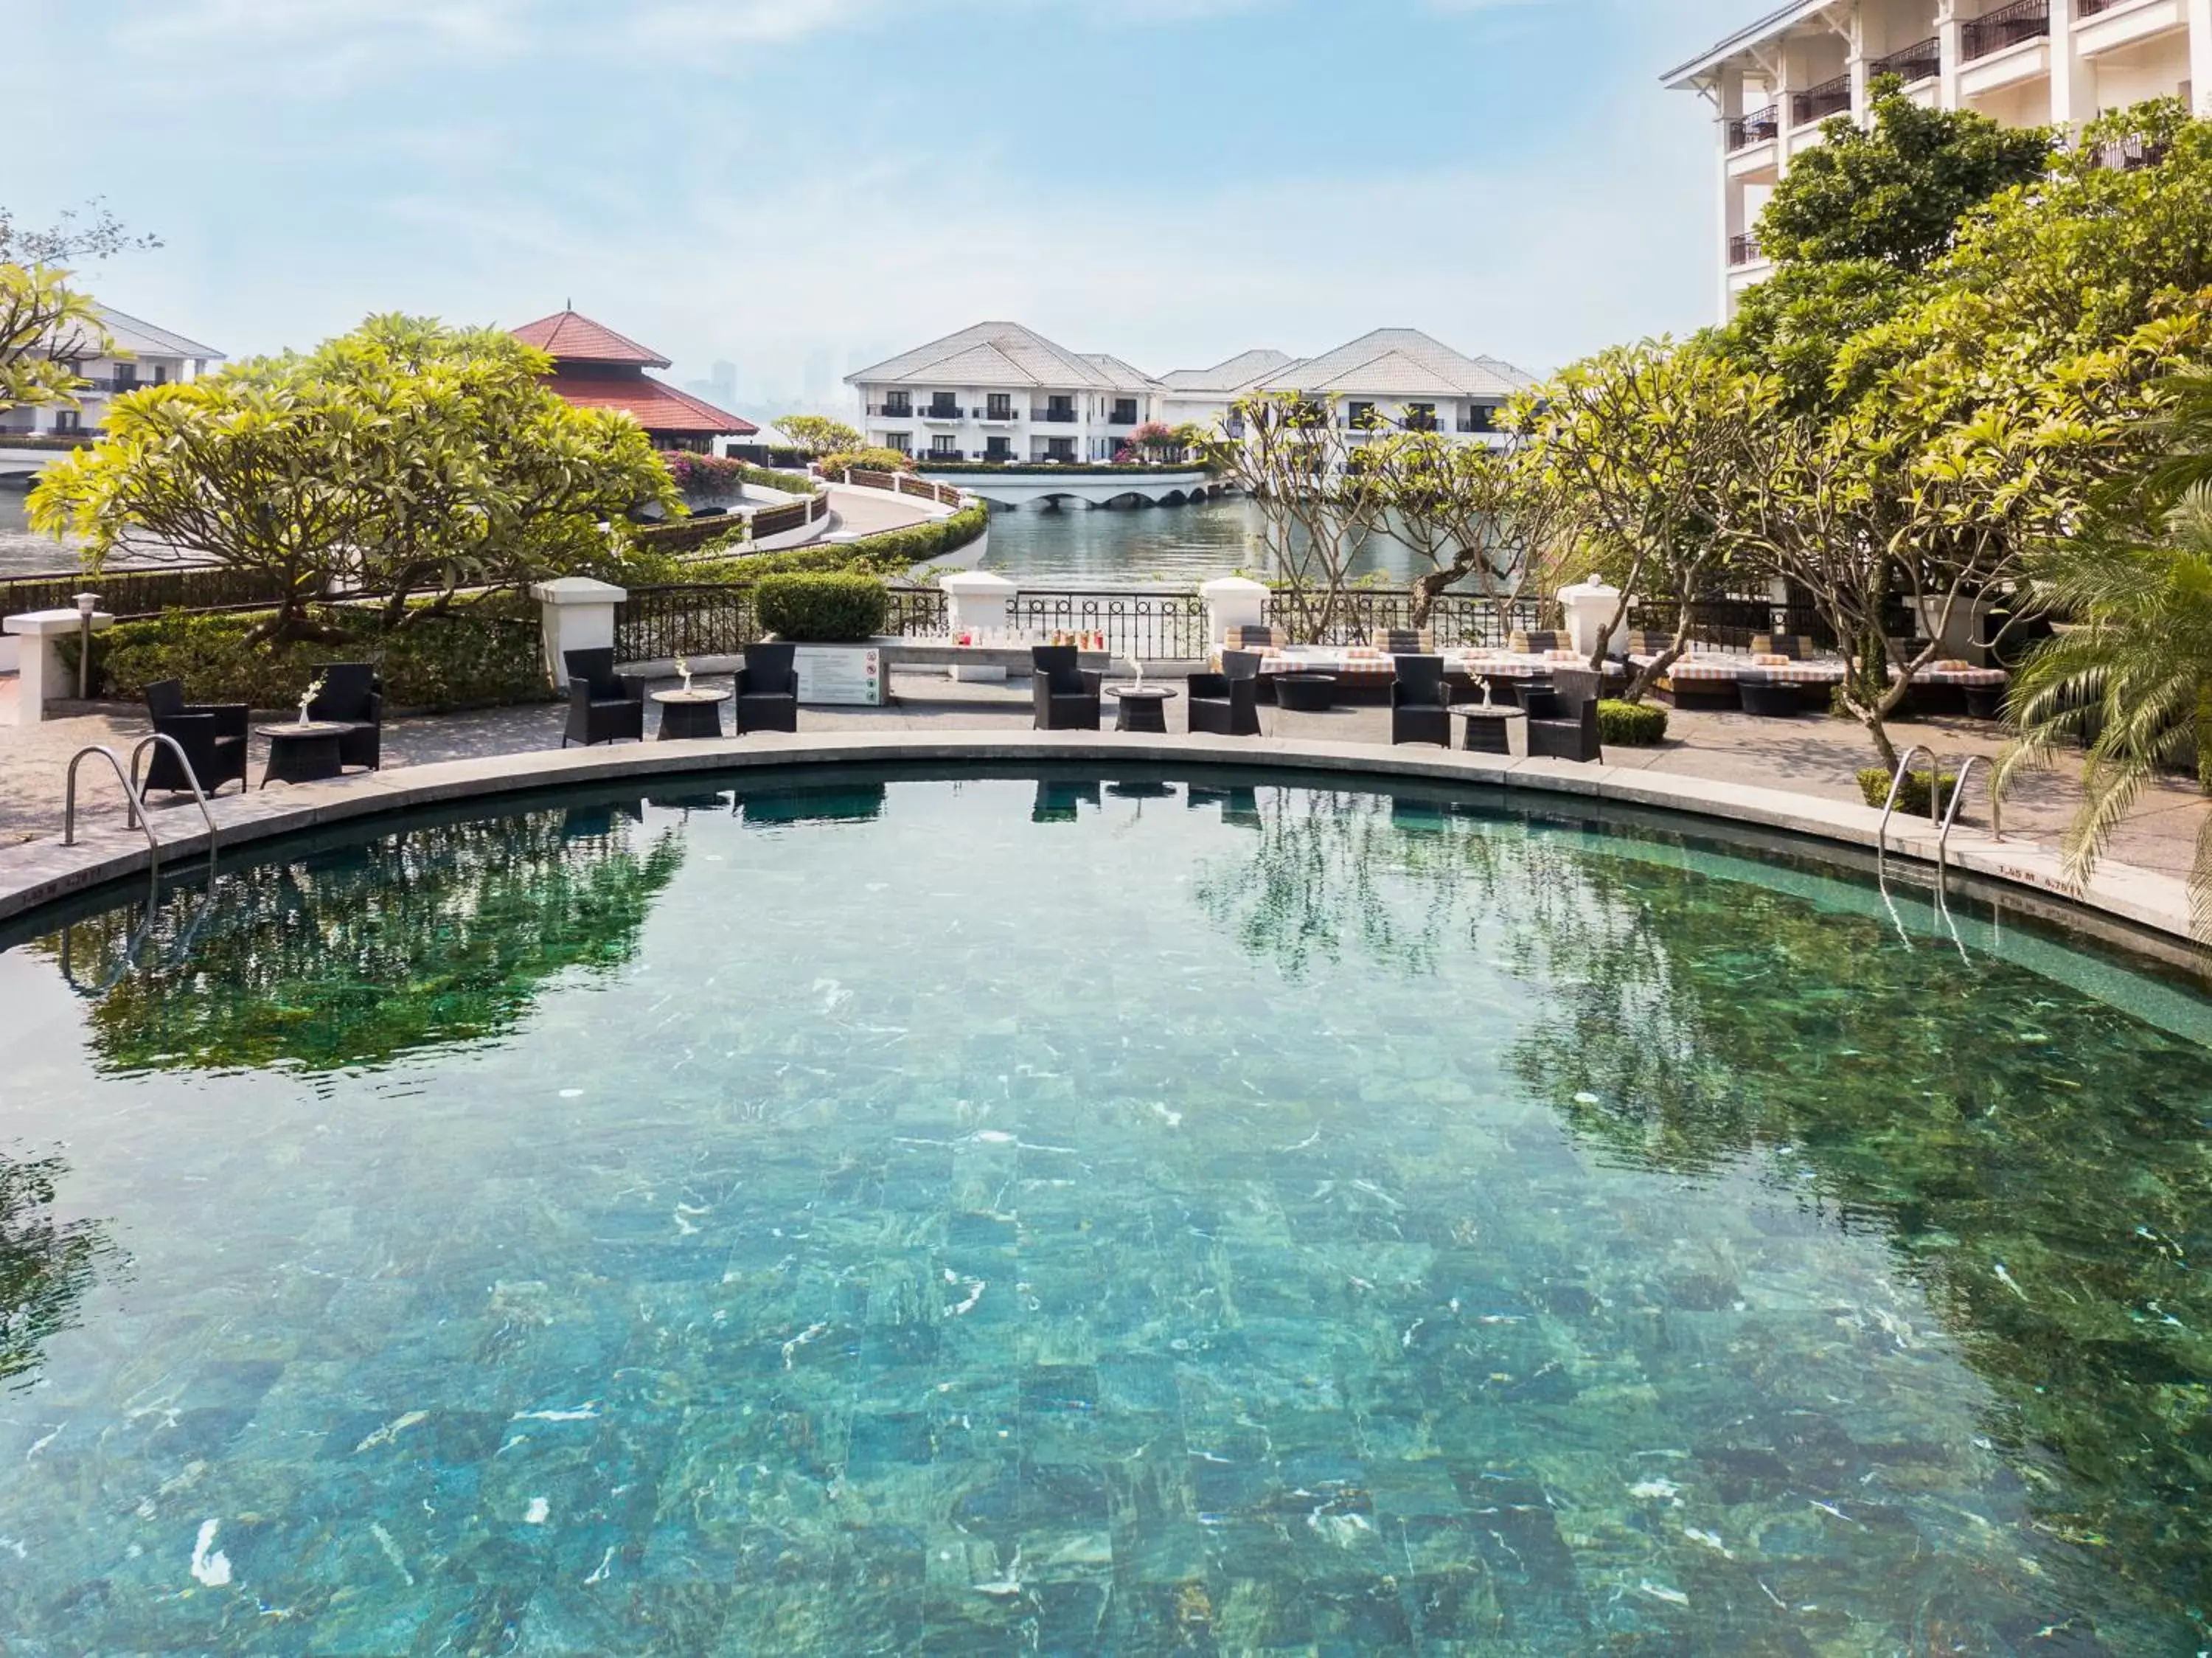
(38, 872)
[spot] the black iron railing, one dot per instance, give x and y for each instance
(1921, 61)
(1458, 621)
(1743, 250)
(1754, 128)
(2007, 25)
(1736, 621)
(136, 594)
(1166, 626)
(1817, 103)
(1053, 417)
(942, 411)
(918, 612)
(656, 623)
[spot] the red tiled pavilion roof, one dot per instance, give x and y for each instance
(569, 336)
(657, 408)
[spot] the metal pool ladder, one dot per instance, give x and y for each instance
(1897, 785)
(134, 797)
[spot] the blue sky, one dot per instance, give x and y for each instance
(763, 180)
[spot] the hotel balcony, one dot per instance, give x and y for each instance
(1005, 417)
(1743, 251)
(1818, 103)
(1760, 126)
(944, 414)
(2006, 27)
(1922, 61)
(1053, 417)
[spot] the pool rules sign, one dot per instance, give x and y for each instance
(840, 676)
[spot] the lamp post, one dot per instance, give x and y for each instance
(86, 604)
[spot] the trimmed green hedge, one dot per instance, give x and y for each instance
(1631, 725)
(789, 482)
(484, 655)
(891, 553)
(824, 607)
(1912, 794)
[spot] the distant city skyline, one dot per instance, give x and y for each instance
(1507, 175)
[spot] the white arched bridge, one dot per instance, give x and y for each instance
(1063, 486)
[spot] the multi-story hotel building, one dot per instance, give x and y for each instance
(999, 392)
(134, 353)
(2023, 63)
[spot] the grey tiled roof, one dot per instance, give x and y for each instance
(1401, 363)
(147, 341)
(997, 353)
(1234, 376)
(1126, 377)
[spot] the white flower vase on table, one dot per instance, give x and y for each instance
(307, 701)
(1137, 668)
(683, 671)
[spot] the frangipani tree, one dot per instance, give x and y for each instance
(1472, 514)
(1650, 448)
(1320, 502)
(404, 457)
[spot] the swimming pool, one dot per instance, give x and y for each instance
(1157, 1213)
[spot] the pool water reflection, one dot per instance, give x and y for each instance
(1137, 1215)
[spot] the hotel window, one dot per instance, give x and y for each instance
(68, 420)
(1420, 417)
(944, 406)
(898, 405)
(1060, 448)
(999, 405)
(1359, 416)
(1125, 412)
(1479, 417)
(942, 447)
(902, 442)
(998, 448)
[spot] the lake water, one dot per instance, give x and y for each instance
(1180, 544)
(1079, 545)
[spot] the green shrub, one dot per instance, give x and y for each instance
(872, 460)
(1632, 725)
(1911, 795)
(893, 553)
(485, 655)
(826, 607)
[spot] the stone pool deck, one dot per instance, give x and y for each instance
(1797, 776)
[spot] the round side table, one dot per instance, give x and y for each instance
(689, 714)
(302, 751)
(1142, 708)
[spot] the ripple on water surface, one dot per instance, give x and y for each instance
(1050, 1217)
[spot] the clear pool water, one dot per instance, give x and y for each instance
(1017, 1216)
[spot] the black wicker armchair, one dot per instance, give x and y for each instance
(352, 694)
(1417, 702)
(768, 689)
(1066, 693)
(1563, 721)
(212, 736)
(603, 706)
(1227, 704)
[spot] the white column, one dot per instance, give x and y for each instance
(2199, 55)
(41, 676)
(980, 605)
(1950, 31)
(576, 613)
(1785, 114)
(1231, 602)
(2073, 78)
(1727, 95)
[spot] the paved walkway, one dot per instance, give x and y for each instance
(1811, 756)
(867, 512)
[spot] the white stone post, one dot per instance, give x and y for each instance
(577, 613)
(41, 677)
(1232, 601)
(981, 604)
(1951, 37)
(2199, 55)
(1589, 607)
(2073, 80)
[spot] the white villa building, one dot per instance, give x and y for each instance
(138, 354)
(2023, 63)
(999, 392)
